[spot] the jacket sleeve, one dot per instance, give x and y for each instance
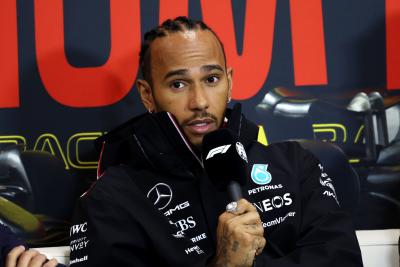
(327, 236)
(101, 234)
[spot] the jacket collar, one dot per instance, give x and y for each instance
(156, 141)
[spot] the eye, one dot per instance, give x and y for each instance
(212, 79)
(177, 85)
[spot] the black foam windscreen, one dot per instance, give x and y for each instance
(224, 158)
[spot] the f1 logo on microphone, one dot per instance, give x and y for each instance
(217, 150)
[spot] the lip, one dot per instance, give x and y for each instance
(200, 126)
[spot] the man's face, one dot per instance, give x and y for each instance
(189, 80)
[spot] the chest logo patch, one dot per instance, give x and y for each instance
(260, 175)
(240, 150)
(160, 195)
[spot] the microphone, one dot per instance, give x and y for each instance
(225, 162)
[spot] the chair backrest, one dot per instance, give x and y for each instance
(356, 127)
(360, 129)
(55, 189)
(379, 112)
(38, 196)
(344, 177)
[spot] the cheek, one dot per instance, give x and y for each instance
(163, 98)
(219, 99)
(172, 103)
(218, 102)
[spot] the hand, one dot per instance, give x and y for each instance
(19, 257)
(240, 236)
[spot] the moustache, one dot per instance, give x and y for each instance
(200, 116)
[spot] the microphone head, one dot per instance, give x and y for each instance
(224, 158)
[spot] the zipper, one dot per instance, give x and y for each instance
(200, 161)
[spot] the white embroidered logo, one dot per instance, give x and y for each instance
(217, 150)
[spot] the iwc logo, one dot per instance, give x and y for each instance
(240, 150)
(160, 195)
(260, 175)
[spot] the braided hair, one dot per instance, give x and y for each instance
(179, 24)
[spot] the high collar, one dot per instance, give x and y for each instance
(156, 141)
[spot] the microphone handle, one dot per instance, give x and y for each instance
(234, 191)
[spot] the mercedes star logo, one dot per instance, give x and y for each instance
(160, 195)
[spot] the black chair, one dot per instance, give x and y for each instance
(38, 196)
(359, 126)
(344, 177)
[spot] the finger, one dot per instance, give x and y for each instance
(238, 225)
(225, 216)
(51, 263)
(12, 256)
(261, 244)
(254, 229)
(248, 218)
(26, 257)
(244, 206)
(38, 260)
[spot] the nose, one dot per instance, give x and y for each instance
(198, 98)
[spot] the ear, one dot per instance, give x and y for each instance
(146, 94)
(230, 85)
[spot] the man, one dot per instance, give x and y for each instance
(154, 205)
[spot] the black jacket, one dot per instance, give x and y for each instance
(153, 204)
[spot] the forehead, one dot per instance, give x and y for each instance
(185, 50)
